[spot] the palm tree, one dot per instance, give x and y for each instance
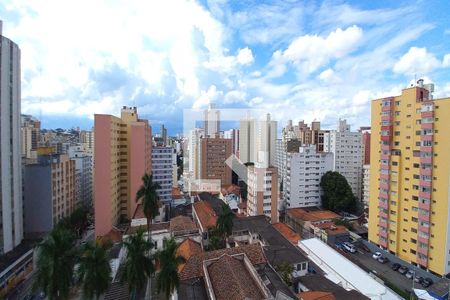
(150, 199)
(55, 262)
(167, 279)
(138, 264)
(225, 220)
(94, 271)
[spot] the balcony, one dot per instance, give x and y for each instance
(426, 138)
(424, 229)
(382, 223)
(427, 114)
(422, 239)
(382, 243)
(424, 205)
(386, 118)
(422, 261)
(427, 171)
(383, 195)
(386, 147)
(386, 138)
(383, 233)
(385, 156)
(384, 186)
(383, 215)
(384, 167)
(426, 160)
(425, 183)
(425, 218)
(426, 195)
(383, 204)
(423, 251)
(384, 176)
(426, 126)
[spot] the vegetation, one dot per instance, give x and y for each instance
(77, 221)
(285, 270)
(337, 193)
(215, 238)
(345, 223)
(94, 272)
(149, 199)
(138, 266)
(167, 279)
(225, 220)
(56, 259)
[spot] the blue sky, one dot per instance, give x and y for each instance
(296, 59)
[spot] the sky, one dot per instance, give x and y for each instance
(300, 60)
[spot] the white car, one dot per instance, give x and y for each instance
(349, 247)
(376, 255)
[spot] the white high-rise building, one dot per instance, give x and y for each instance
(211, 121)
(193, 149)
(347, 150)
(83, 174)
(162, 169)
(233, 134)
(257, 142)
(11, 231)
(304, 169)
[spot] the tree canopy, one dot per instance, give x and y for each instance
(337, 194)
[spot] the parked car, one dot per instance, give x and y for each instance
(383, 259)
(402, 270)
(418, 279)
(349, 247)
(409, 274)
(427, 282)
(376, 255)
(395, 266)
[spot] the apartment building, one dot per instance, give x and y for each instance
(213, 154)
(409, 177)
(49, 192)
(11, 229)
(304, 169)
(262, 192)
(346, 147)
(366, 185)
(233, 134)
(83, 174)
(163, 159)
(122, 154)
(30, 132)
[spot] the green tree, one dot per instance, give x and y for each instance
(215, 238)
(94, 271)
(337, 193)
(167, 279)
(138, 266)
(225, 220)
(55, 264)
(149, 199)
(285, 270)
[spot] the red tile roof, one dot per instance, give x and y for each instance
(287, 232)
(231, 189)
(182, 224)
(316, 295)
(205, 214)
(336, 229)
(113, 235)
(139, 212)
(312, 215)
(231, 280)
(186, 249)
(194, 268)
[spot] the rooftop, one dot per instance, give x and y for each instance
(163, 226)
(319, 283)
(176, 193)
(232, 280)
(186, 249)
(9, 258)
(312, 214)
(207, 209)
(316, 295)
(182, 224)
(139, 212)
(287, 232)
(231, 189)
(194, 269)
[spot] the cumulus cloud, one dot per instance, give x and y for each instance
(310, 52)
(416, 61)
(446, 61)
(245, 56)
(212, 95)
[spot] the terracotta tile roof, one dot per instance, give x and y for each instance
(183, 224)
(312, 215)
(205, 213)
(176, 193)
(153, 227)
(287, 232)
(337, 229)
(315, 295)
(324, 225)
(194, 269)
(186, 249)
(231, 189)
(139, 212)
(231, 280)
(113, 235)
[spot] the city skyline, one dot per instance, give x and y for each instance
(332, 52)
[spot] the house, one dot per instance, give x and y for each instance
(330, 233)
(301, 219)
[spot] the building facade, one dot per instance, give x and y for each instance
(366, 185)
(346, 147)
(262, 192)
(11, 231)
(410, 172)
(211, 117)
(304, 169)
(233, 134)
(162, 169)
(213, 154)
(122, 154)
(49, 192)
(83, 174)
(30, 132)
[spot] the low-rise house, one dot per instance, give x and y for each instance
(330, 233)
(302, 219)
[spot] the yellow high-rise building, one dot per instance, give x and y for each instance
(409, 182)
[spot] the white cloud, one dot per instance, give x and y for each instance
(310, 52)
(245, 56)
(361, 98)
(416, 61)
(446, 61)
(326, 75)
(207, 97)
(234, 97)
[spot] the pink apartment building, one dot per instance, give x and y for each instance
(122, 155)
